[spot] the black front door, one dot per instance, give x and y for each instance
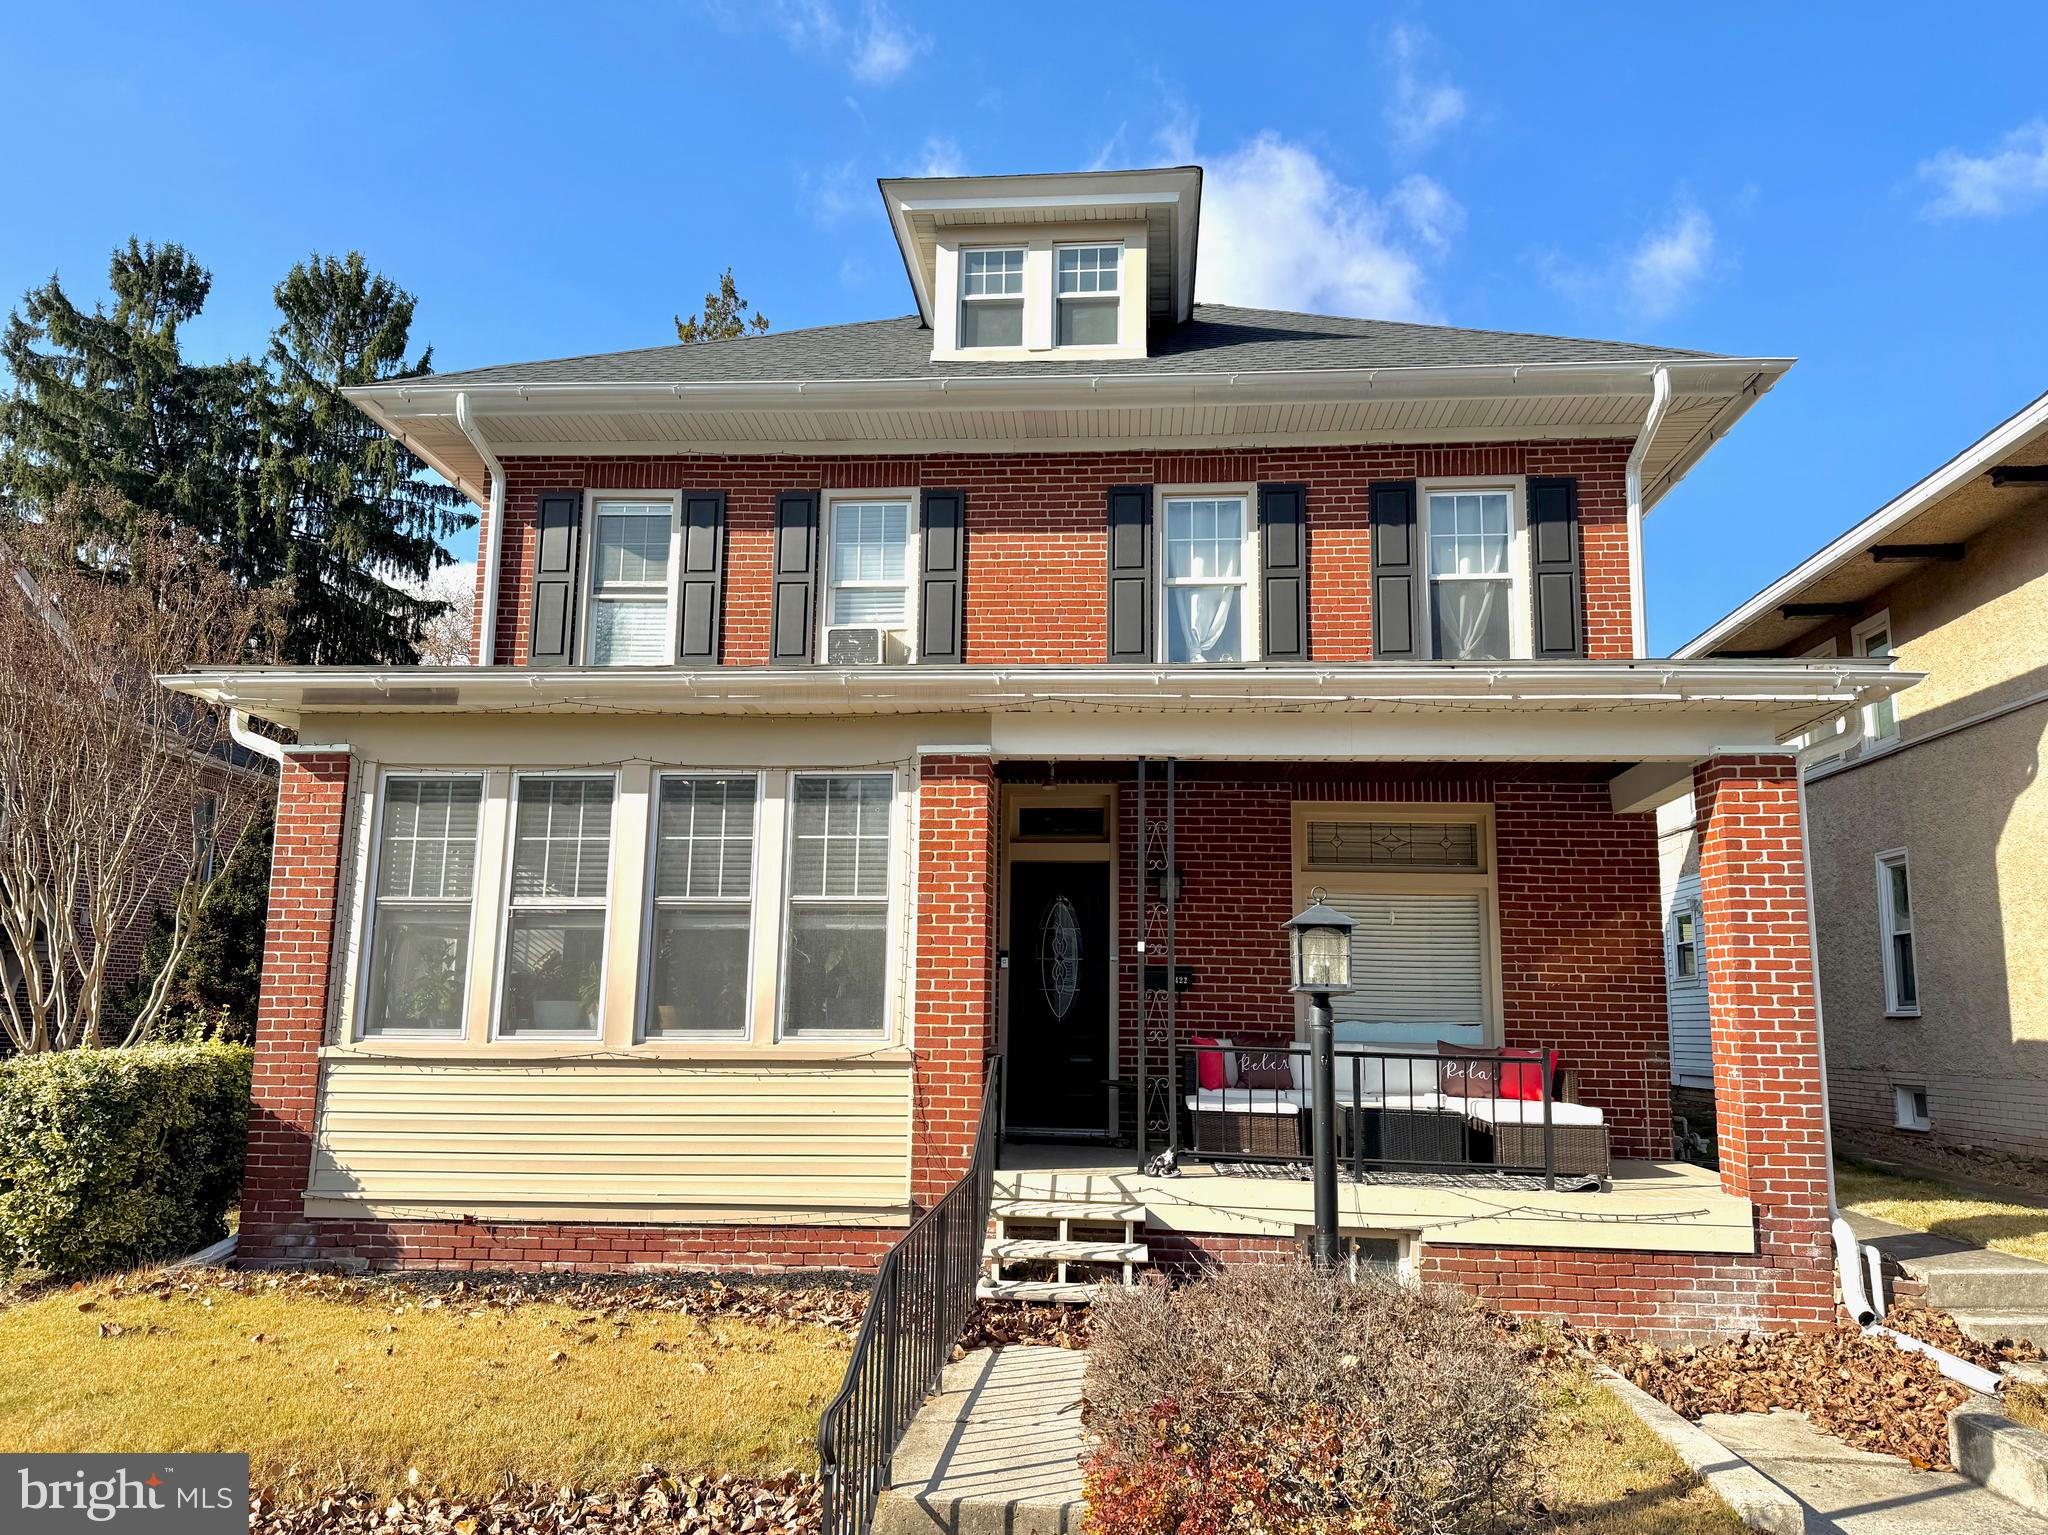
(1058, 1057)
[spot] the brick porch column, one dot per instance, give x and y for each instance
(1767, 1057)
(953, 1023)
(291, 1018)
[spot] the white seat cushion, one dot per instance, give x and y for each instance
(1526, 1111)
(1241, 1100)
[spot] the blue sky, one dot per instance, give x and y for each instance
(1863, 188)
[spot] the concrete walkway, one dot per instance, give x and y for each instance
(1859, 1492)
(996, 1452)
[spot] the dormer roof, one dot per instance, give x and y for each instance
(1168, 201)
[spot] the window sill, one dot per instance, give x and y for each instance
(1902, 1012)
(670, 1053)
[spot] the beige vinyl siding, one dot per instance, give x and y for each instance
(612, 1140)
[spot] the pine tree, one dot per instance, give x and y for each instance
(723, 316)
(352, 508)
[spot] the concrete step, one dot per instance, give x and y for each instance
(1990, 1326)
(1065, 1210)
(1077, 1250)
(1977, 1279)
(1036, 1290)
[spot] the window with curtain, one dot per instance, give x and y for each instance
(1207, 578)
(703, 906)
(420, 905)
(835, 964)
(992, 297)
(1895, 916)
(553, 973)
(629, 583)
(870, 563)
(1471, 582)
(1085, 293)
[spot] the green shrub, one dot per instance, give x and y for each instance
(1275, 1400)
(112, 1158)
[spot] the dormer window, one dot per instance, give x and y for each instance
(992, 297)
(1085, 288)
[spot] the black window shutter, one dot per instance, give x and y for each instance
(1554, 565)
(1130, 573)
(551, 637)
(1283, 572)
(942, 596)
(1397, 574)
(792, 613)
(701, 592)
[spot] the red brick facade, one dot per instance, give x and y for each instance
(471, 1246)
(1036, 531)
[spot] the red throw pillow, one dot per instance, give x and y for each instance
(1208, 1064)
(1526, 1082)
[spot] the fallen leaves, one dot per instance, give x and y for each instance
(656, 1503)
(995, 1324)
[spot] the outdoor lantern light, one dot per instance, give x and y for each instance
(1319, 941)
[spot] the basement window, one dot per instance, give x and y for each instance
(1910, 1108)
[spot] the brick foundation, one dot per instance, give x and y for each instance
(471, 1246)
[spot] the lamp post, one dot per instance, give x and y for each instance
(1319, 953)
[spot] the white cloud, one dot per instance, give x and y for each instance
(941, 157)
(1281, 231)
(885, 47)
(1418, 110)
(2003, 181)
(1649, 280)
(830, 192)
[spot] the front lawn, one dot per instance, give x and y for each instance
(326, 1382)
(1601, 1472)
(1923, 1204)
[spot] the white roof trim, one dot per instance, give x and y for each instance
(1979, 457)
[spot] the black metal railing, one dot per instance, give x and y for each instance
(924, 1292)
(1422, 1111)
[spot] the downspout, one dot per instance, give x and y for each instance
(240, 733)
(1660, 401)
(494, 533)
(1865, 1306)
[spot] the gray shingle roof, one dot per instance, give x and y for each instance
(1219, 339)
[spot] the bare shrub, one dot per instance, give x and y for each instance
(1273, 1398)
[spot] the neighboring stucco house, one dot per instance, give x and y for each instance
(1927, 828)
(857, 708)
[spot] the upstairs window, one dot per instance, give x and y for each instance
(867, 579)
(1470, 541)
(992, 298)
(1207, 583)
(1873, 638)
(1085, 291)
(1895, 919)
(629, 583)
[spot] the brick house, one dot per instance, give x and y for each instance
(858, 707)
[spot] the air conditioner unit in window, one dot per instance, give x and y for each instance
(864, 645)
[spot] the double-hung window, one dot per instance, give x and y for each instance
(1873, 638)
(1206, 590)
(992, 297)
(1085, 279)
(701, 929)
(420, 904)
(1685, 944)
(1895, 919)
(1470, 541)
(553, 971)
(835, 962)
(869, 575)
(630, 592)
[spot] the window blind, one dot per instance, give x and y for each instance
(1415, 959)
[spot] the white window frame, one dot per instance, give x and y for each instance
(1907, 1114)
(913, 562)
(892, 906)
(1888, 929)
(1021, 298)
(652, 902)
(372, 865)
(1163, 584)
(1114, 297)
(1521, 616)
(607, 904)
(1874, 738)
(587, 534)
(1485, 880)
(1684, 910)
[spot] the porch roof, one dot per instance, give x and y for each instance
(1771, 698)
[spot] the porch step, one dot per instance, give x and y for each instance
(1990, 1326)
(1077, 1250)
(1066, 1210)
(1037, 1290)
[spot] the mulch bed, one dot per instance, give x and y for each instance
(657, 1504)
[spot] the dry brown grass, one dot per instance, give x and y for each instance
(2007, 1226)
(322, 1391)
(1600, 1472)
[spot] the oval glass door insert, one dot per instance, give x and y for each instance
(1059, 956)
